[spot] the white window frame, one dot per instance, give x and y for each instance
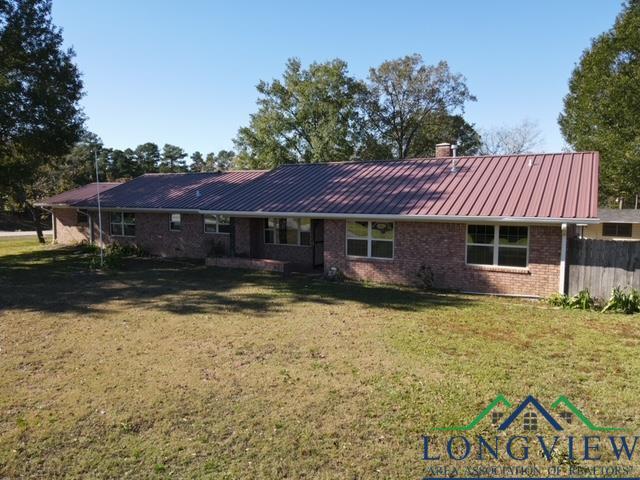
(276, 238)
(495, 244)
(121, 223)
(217, 219)
(369, 238)
(171, 229)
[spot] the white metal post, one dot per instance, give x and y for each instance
(99, 211)
(563, 259)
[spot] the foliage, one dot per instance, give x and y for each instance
(309, 116)
(114, 255)
(40, 90)
(425, 277)
(522, 138)
(602, 108)
(197, 162)
(623, 301)
(173, 159)
(580, 301)
(404, 94)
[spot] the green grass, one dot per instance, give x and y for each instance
(170, 369)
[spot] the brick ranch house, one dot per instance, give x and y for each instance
(485, 224)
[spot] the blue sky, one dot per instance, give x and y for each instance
(185, 72)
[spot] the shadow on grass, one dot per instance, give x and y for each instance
(59, 280)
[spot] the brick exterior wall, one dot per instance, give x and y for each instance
(442, 247)
(67, 230)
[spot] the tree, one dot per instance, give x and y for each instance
(123, 165)
(197, 162)
(602, 108)
(404, 94)
(307, 117)
(40, 90)
(173, 159)
(148, 157)
(522, 138)
(220, 162)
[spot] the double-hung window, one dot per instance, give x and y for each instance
(123, 224)
(505, 245)
(370, 239)
(217, 224)
(287, 231)
(175, 222)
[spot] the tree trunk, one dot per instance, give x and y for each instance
(35, 214)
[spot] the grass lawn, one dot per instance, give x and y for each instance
(169, 369)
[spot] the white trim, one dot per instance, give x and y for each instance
(496, 247)
(122, 224)
(369, 239)
(217, 224)
(357, 216)
(563, 259)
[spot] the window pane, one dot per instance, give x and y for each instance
(616, 229)
(116, 217)
(130, 230)
(357, 248)
(479, 255)
(305, 238)
(305, 224)
(210, 223)
(129, 218)
(382, 230)
(116, 229)
(175, 222)
(268, 236)
(381, 249)
(224, 219)
(271, 222)
(514, 235)
(224, 228)
(480, 234)
(512, 257)
(358, 229)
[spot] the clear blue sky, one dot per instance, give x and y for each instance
(184, 72)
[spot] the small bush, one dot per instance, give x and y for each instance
(425, 277)
(623, 301)
(580, 301)
(114, 255)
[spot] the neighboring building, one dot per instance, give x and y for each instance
(615, 224)
(494, 224)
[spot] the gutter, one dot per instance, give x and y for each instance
(359, 216)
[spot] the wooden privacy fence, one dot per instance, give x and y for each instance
(601, 265)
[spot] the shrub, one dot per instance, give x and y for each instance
(580, 301)
(114, 255)
(425, 277)
(623, 301)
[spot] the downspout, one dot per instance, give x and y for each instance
(563, 260)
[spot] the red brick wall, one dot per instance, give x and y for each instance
(67, 229)
(441, 246)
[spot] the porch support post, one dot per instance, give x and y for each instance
(563, 260)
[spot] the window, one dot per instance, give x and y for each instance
(82, 217)
(567, 416)
(175, 222)
(496, 417)
(370, 239)
(530, 421)
(616, 229)
(504, 245)
(287, 231)
(123, 224)
(217, 224)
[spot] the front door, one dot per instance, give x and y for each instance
(318, 242)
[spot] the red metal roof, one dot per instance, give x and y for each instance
(71, 197)
(537, 186)
(549, 187)
(173, 191)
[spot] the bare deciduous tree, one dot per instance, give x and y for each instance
(525, 137)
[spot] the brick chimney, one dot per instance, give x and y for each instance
(443, 150)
